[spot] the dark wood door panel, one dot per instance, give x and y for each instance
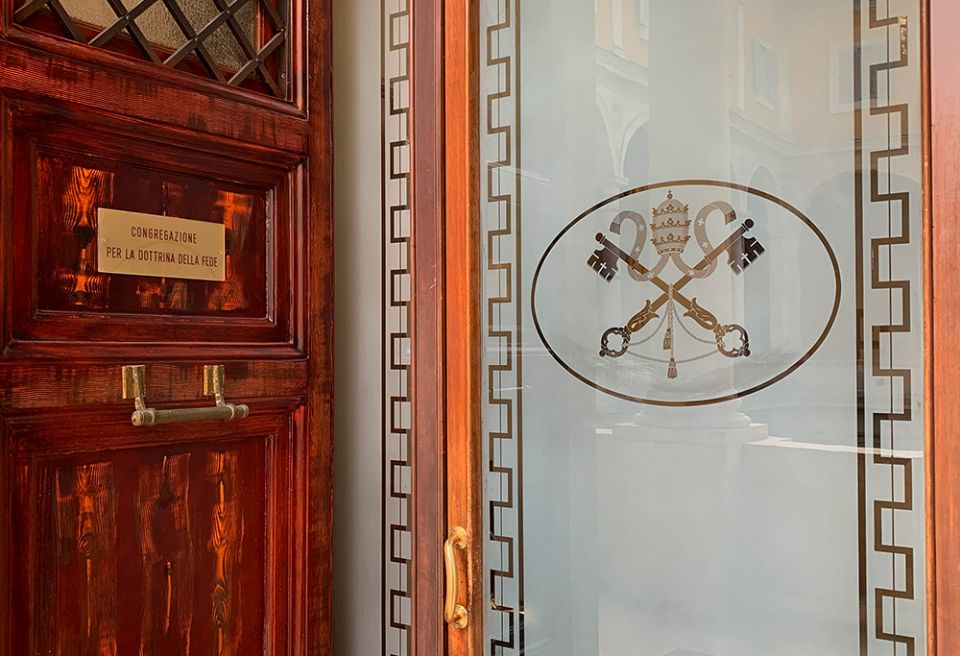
(68, 72)
(168, 541)
(201, 538)
(70, 164)
(48, 385)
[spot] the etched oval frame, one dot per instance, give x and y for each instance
(678, 184)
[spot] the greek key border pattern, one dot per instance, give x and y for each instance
(886, 476)
(397, 412)
(500, 151)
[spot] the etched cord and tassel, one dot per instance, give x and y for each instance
(668, 336)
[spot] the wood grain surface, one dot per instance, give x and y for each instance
(200, 538)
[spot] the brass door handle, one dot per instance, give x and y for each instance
(135, 387)
(453, 613)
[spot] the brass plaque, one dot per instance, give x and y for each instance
(138, 244)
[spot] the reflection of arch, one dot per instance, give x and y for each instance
(594, 135)
(622, 116)
(636, 156)
(834, 193)
(758, 209)
(758, 303)
(763, 180)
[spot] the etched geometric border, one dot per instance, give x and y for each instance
(396, 312)
(502, 317)
(878, 422)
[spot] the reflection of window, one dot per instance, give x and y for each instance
(841, 72)
(617, 16)
(764, 73)
(643, 12)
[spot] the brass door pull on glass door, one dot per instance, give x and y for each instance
(453, 613)
(135, 387)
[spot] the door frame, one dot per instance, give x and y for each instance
(941, 253)
(447, 449)
(463, 311)
(445, 318)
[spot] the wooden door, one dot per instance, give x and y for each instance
(536, 565)
(201, 537)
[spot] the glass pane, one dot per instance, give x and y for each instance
(703, 333)
(160, 27)
(242, 43)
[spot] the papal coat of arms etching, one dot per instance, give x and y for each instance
(670, 235)
(648, 300)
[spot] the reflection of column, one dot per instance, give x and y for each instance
(667, 506)
(689, 135)
(689, 89)
(668, 485)
(566, 167)
(589, 143)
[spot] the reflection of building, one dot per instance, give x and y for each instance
(752, 91)
(764, 93)
(770, 58)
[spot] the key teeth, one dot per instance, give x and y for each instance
(605, 266)
(746, 253)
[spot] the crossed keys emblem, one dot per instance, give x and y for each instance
(670, 234)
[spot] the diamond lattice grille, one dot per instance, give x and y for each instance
(236, 42)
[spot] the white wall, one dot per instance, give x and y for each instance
(357, 486)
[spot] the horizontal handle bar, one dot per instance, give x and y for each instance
(153, 417)
(135, 387)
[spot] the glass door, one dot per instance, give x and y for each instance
(701, 328)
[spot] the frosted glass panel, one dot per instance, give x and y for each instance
(702, 327)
